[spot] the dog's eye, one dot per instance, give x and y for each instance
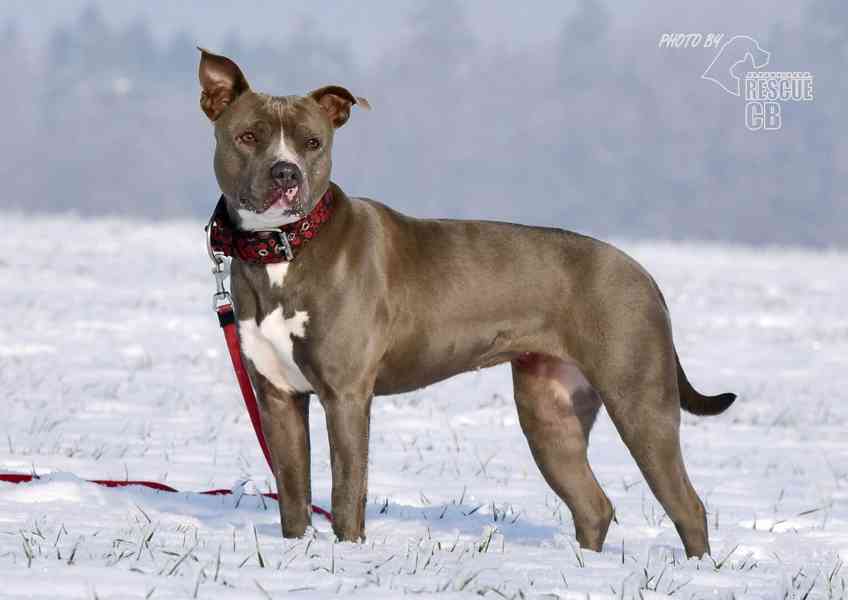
(248, 137)
(313, 143)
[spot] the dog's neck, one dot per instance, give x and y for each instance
(273, 245)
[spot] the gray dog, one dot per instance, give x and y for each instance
(346, 298)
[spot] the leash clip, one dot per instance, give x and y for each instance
(220, 270)
(222, 297)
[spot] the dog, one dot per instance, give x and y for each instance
(347, 299)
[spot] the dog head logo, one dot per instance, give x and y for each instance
(738, 50)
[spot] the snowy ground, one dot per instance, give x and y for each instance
(112, 366)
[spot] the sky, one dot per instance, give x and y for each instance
(377, 26)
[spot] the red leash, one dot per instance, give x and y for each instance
(153, 485)
(228, 323)
(226, 318)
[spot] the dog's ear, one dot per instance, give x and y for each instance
(221, 81)
(336, 102)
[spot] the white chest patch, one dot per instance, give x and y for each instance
(277, 272)
(269, 345)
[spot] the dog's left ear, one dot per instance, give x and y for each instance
(336, 102)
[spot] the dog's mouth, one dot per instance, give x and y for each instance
(283, 197)
(285, 200)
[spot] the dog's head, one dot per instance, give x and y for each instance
(272, 153)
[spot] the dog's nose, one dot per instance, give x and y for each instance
(285, 173)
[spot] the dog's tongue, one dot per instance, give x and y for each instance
(284, 198)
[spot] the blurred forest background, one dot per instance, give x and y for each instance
(592, 128)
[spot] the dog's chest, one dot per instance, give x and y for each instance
(269, 344)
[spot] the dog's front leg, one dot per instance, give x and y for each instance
(348, 421)
(285, 423)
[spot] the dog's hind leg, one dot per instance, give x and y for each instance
(556, 409)
(653, 439)
(638, 384)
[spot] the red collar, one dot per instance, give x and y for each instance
(267, 246)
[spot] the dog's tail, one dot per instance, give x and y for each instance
(696, 403)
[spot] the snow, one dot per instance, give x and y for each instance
(112, 366)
